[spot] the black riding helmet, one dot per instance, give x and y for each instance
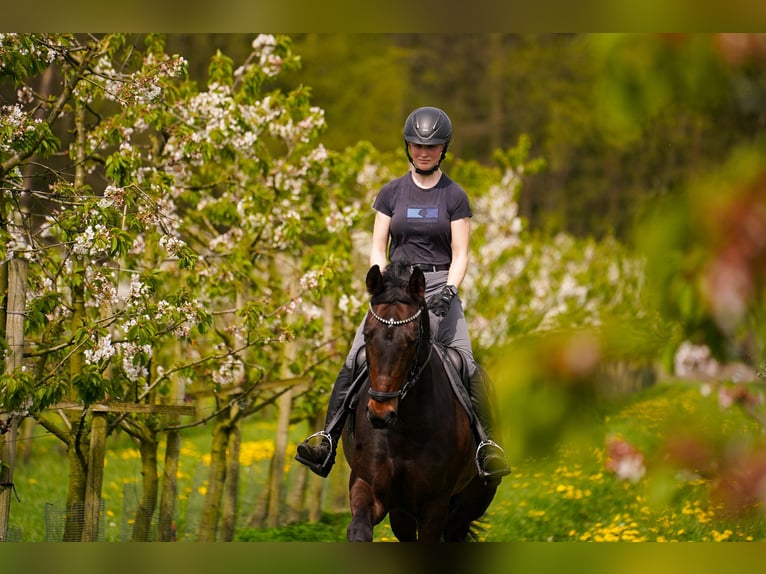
(427, 126)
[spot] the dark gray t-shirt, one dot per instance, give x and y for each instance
(420, 218)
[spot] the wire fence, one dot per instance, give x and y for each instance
(120, 516)
(68, 522)
(13, 534)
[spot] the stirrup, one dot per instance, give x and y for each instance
(323, 433)
(482, 472)
(321, 468)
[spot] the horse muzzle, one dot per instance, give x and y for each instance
(382, 414)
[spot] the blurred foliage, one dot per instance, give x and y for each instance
(619, 118)
(707, 256)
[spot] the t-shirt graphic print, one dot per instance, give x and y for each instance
(426, 214)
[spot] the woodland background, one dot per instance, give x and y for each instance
(185, 220)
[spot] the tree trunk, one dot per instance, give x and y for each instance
(166, 530)
(78, 472)
(231, 486)
(208, 527)
(78, 466)
(496, 82)
(142, 530)
(257, 518)
(296, 495)
(278, 467)
(26, 430)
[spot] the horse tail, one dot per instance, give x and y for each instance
(476, 530)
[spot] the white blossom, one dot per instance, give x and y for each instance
(103, 351)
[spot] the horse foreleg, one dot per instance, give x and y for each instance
(362, 502)
(403, 525)
(434, 520)
(466, 507)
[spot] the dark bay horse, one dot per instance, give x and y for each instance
(410, 444)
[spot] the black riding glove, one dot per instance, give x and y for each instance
(439, 303)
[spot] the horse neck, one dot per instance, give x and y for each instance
(430, 394)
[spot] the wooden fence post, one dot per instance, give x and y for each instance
(14, 332)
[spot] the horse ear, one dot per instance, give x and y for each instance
(374, 280)
(418, 283)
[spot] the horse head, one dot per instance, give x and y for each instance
(396, 337)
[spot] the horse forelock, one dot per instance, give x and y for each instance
(395, 288)
(395, 285)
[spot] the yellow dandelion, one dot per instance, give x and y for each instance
(721, 536)
(254, 451)
(129, 454)
(188, 451)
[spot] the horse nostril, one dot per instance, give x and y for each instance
(381, 420)
(377, 423)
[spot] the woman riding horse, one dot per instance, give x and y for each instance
(422, 217)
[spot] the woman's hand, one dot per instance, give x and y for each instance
(440, 303)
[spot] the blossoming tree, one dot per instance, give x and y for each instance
(158, 235)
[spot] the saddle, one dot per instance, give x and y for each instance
(457, 374)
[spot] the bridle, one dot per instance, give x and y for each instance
(417, 368)
(394, 322)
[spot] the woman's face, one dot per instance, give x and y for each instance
(425, 157)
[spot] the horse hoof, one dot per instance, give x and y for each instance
(359, 533)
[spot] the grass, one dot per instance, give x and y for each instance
(565, 495)
(41, 480)
(571, 496)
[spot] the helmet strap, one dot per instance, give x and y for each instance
(424, 171)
